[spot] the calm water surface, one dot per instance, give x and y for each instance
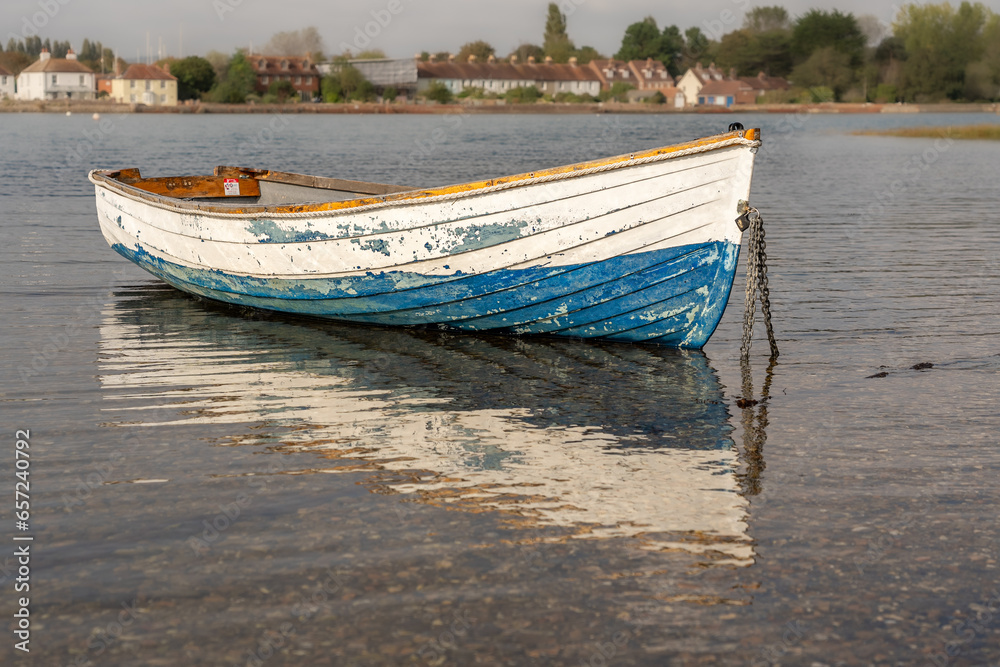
(217, 486)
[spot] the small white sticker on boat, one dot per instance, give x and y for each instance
(232, 186)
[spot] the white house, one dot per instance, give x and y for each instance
(6, 84)
(51, 78)
(695, 79)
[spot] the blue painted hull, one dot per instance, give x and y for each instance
(674, 296)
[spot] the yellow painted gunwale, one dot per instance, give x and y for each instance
(414, 196)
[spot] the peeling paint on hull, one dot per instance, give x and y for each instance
(629, 251)
(675, 296)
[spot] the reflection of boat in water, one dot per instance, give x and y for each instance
(599, 441)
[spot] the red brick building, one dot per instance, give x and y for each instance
(301, 72)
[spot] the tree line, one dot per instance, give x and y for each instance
(931, 52)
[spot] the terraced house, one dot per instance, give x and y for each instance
(498, 77)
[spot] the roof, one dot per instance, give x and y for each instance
(707, 73)
(612, 71)
(57, 65)
(764, 82)
(282, 64)
(147, 72)
(652, 73)
(505, 71)
(4, 72)
(388, 71)
(727, 87)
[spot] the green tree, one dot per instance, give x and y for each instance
(818, 29)
(371, 54)
(390, 93)
(750, 52)
(641, 40)
(438, 92)
(618, 93)
(480, 49)
(672, 49)
(195, 75)
(940, 43)
(826, 67)
(766, 19)
(695, 47)
(585, 54)
(557, 43)
(525, 51)
(523, 95)
(238, 81)
(329, 89)
(282, 91)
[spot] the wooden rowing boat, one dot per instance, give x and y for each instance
(638, 247)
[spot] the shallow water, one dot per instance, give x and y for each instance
(213, 485)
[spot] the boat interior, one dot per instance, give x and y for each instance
(244, 186)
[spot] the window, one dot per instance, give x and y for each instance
(701, 100)
(148, 86)
(263, 79)
(53, 79)
(298, 79)
(81, 80)
(163, 84)
(132, 97)
(711, 99)
(163, 99)
(729, 101)
(309, 80)
(131, 84)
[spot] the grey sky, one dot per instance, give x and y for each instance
(432, 25)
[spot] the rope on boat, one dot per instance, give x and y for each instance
(531, 180)
(757, 285)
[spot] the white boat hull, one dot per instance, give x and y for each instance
(642, 249)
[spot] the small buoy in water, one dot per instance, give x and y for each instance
(69, 113)
(96, 116)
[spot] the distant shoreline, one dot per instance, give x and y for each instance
(991, 132)
(94, 106)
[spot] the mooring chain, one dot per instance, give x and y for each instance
(757, 284)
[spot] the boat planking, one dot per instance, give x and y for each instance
(640, 247)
